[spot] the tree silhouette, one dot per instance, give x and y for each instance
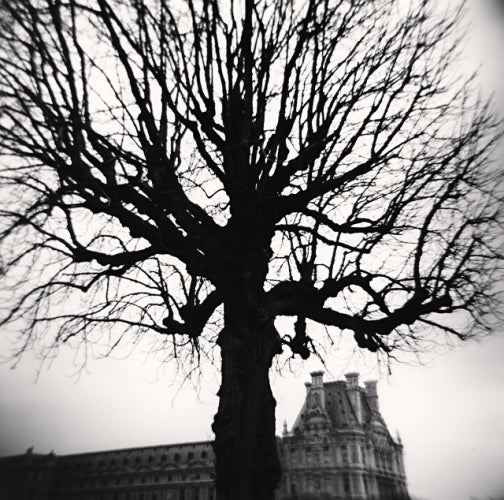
(187, 168)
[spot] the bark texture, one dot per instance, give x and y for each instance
(247, 463)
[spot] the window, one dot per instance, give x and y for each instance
(294, 490)
(203, 454)
(190, 455)
(344, 454)
(355, 456)
(327, 455)
(346, 483)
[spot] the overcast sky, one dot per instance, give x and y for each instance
(450, 412)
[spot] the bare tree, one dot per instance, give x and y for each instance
(167, 166)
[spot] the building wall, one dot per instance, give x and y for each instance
(172, 472)
(338, 448)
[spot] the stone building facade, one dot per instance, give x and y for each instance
(172, 472)
(339, 448)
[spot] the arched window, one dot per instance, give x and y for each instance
(294, 490)
(346, 483)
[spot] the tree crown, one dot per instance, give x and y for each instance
(315, 154)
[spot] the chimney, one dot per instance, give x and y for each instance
(352, 380)
(352, 386)
(372, 394)
(308, 387)
(317, 386)
(317, 379)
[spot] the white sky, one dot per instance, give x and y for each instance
(450, 413)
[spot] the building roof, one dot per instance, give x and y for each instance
(339, 405)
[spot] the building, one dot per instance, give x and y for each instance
(172, 472)
(338, 448)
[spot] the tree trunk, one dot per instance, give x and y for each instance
(247, 464)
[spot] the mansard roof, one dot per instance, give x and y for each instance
(172, 456)
(339, 405)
